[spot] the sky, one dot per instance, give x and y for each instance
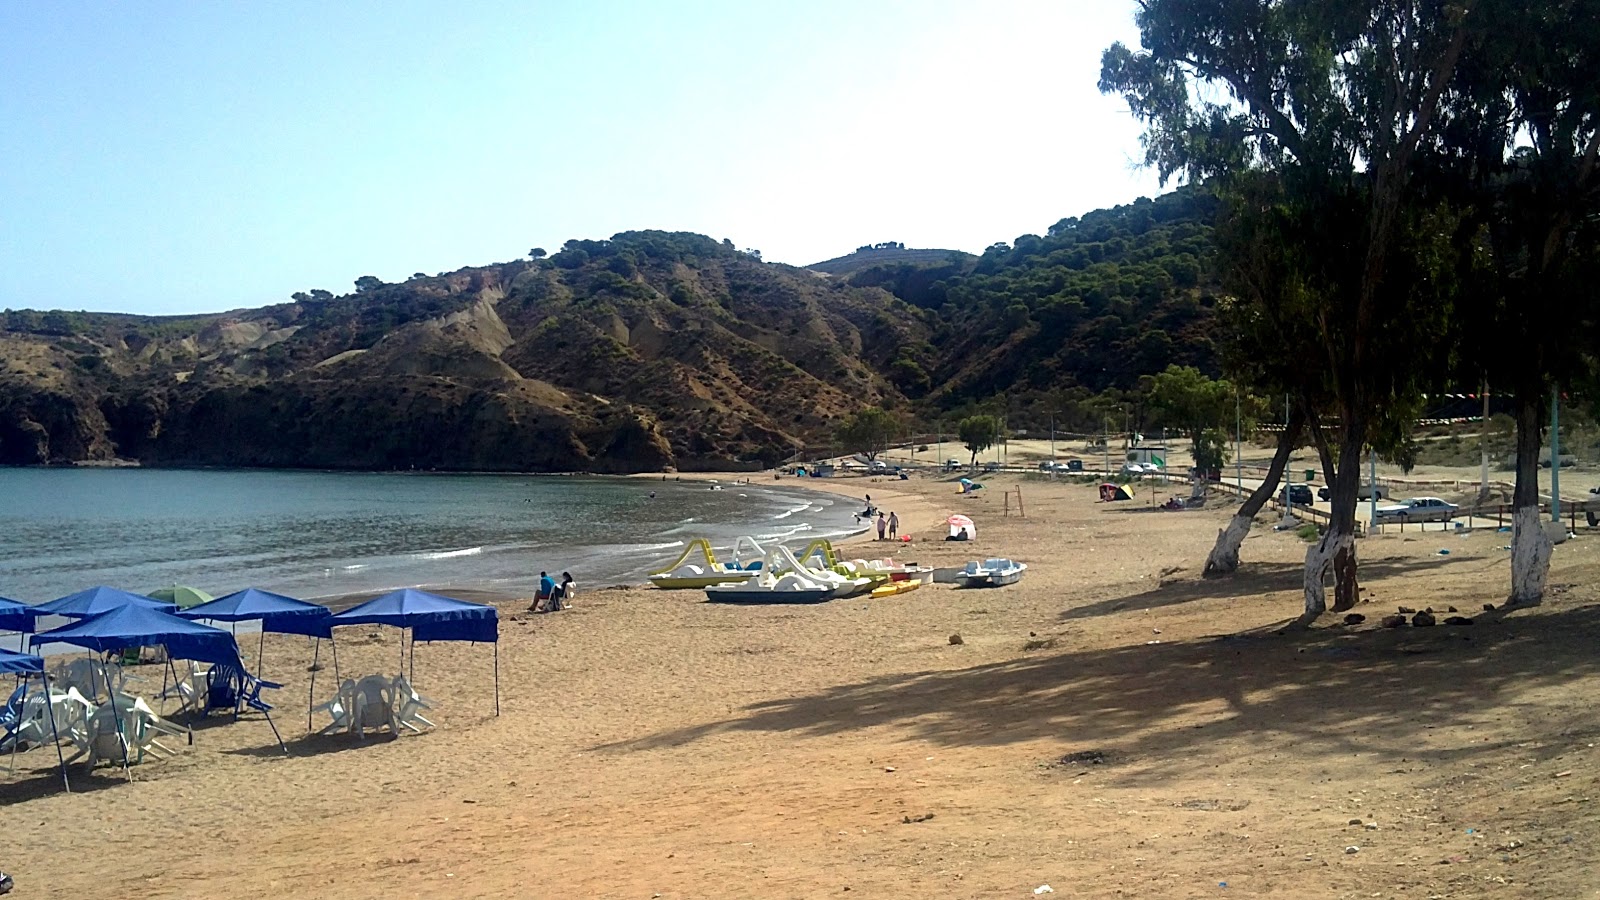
(184, 157)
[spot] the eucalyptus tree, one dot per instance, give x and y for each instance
(1524, 159)
(1333, 99)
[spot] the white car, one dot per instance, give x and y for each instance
(1418, 509)
(1137, 469)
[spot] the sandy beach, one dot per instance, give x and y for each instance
(1112, 726)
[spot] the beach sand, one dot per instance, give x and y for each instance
(1112, 726)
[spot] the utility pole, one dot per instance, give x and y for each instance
(1483, 474)
(1052, 447)
(1238, 442)
(1288, 470)
(1555, 454)
(1372, 487)
(1106, 445)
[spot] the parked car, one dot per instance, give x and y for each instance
(1074, 465)
(1367, 490)
(991, 467)
(1136, 469)
(1418, 509)
(1300, 494)
(950, 465)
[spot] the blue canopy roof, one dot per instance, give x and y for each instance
(429, 616)
(97, 600)
(14, 663)
(277, 613)
(16, 616)
(133, 625)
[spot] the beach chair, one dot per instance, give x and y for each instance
(338, 709)
(89, 677)
(70, 709)
(192, 691)
(409, 705)
(372, 705)
(11, 713)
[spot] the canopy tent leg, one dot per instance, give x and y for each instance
(261, 650)
(15, 741)
(188, 723)
(334, 646)
(50, 711)
(411, 675)
(311, 693)
(497, 678)
(162, 711)
(281, 745)
(122, 739)
(402, 650)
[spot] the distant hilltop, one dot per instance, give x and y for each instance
(646, 351)
(892, 253)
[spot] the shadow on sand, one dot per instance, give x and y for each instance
(1328, 690)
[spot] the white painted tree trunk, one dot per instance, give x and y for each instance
(1530, 557)
(1319, 562)
(1224, 556)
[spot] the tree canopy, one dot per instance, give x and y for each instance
(978, 433)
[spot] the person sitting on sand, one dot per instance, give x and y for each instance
(894, 526)
(883, 524)
(566, 592)
(547, 586)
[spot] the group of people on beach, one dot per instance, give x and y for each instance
(889, 524)
(554, 597)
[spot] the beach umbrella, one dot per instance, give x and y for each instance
(182, 595)
(959, 524)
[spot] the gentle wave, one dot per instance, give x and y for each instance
(647, 547)
(789, 512)
(780, 535)
(448, 554)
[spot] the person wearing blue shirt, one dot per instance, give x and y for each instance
(545, 600)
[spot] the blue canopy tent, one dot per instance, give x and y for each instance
(16, 616)
(25, 666)
(97, 600)
(429, 617)
(275, 612)
(138, 625)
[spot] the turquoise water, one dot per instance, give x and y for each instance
(318, 534)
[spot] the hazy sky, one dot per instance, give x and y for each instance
(171, 157)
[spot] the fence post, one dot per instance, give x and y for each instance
(1021, 513)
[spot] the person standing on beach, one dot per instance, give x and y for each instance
(882, 524)
(894, 525)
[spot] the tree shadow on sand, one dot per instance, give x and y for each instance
(1260, 579)
(1329, 690)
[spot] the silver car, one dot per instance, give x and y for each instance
(1418, 509)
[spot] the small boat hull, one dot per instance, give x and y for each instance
(758, 597)
(689, 582)
(895, 587)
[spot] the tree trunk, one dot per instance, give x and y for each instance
(1338, 545)
(1224, 558)
(1530, 545)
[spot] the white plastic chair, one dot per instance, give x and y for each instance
(89, 676)
(372, 706)
(340, 708)
(191, 691)
(70, 710)
(409, 705)
(127, 724)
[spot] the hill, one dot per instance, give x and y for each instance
(648, 350)
(891, 255)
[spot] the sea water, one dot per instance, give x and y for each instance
(320, 534)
